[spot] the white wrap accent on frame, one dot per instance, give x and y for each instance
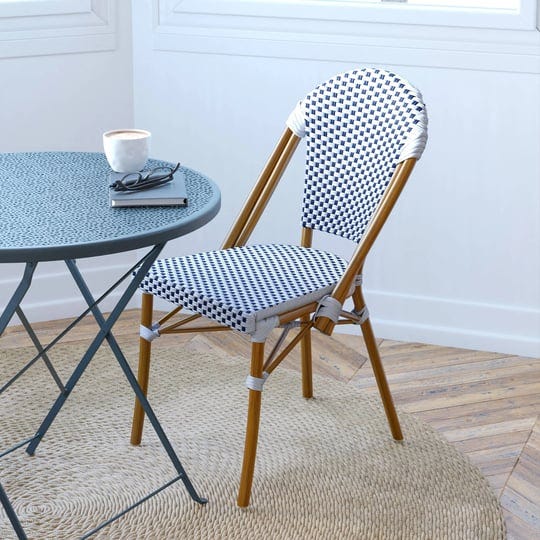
(297, 121)
(290, 325)
(357, 282)
(254, 383)
(416, 142)
(329, 307)
(263, 329)
(363, 315)
(149, 334)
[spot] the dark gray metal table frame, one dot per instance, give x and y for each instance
(156, 237)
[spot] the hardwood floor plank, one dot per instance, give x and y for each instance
(494, 441)
(497, 482)
(422, 399)
(508, 453)
(524, 481)
(522, 508)
(411, 356)
(517, 529)
(525, 478)
(456, 374)
(354, 341)
(487, 430)
(472, 414)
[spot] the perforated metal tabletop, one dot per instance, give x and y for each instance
(55, 206)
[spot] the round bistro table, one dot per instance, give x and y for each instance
(55, 206)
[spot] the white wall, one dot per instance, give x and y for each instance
(62, 84)
(459, 261)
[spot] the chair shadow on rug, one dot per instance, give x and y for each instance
(365, 129)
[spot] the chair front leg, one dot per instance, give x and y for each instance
(307, 370)
(144, 368)
(252, 429)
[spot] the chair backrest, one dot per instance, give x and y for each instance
(359, 125)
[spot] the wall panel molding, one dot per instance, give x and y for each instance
(53, 295)
(56, 27)
(473, 325)
(349, 10)
(249, 29)
(466, 325)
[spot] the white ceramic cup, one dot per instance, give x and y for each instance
(127, 150)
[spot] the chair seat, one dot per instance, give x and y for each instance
(240, 286)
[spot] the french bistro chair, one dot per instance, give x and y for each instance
(365, 129)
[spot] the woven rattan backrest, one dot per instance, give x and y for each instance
(359, 125)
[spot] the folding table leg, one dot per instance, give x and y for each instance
(6, 316)
(12, 307)
(15, 523)
(105, 334)
(18, 295)
(43, 350)
(39, 347)
(94, 346)
(15, 307)
(117, 351)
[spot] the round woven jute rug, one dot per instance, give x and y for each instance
(327, 468)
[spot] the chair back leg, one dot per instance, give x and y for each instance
(376, 364)
(252, 429)
(307, 370)
(382, 383)
(145, 346)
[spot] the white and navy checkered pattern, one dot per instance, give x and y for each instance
(239, 286)
(357, 125)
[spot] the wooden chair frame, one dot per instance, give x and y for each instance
(238, 236)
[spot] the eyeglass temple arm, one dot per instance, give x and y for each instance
(263, 190)
(341, 292)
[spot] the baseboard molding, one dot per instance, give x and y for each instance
(453, 323)
(463, 338)
(54, 295)
(415, 318)
(67, 308)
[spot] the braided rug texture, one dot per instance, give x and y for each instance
(326, 468)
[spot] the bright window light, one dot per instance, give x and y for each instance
(472, 4)
(512, 5)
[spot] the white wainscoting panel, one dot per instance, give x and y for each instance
(349, 10)
(321, 30)
(499, 328)
(54, 294)
(458, 262)
(48, 27)
(56, 101)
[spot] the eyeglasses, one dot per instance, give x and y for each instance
(148, 180)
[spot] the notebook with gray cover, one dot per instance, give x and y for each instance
(172, 193)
